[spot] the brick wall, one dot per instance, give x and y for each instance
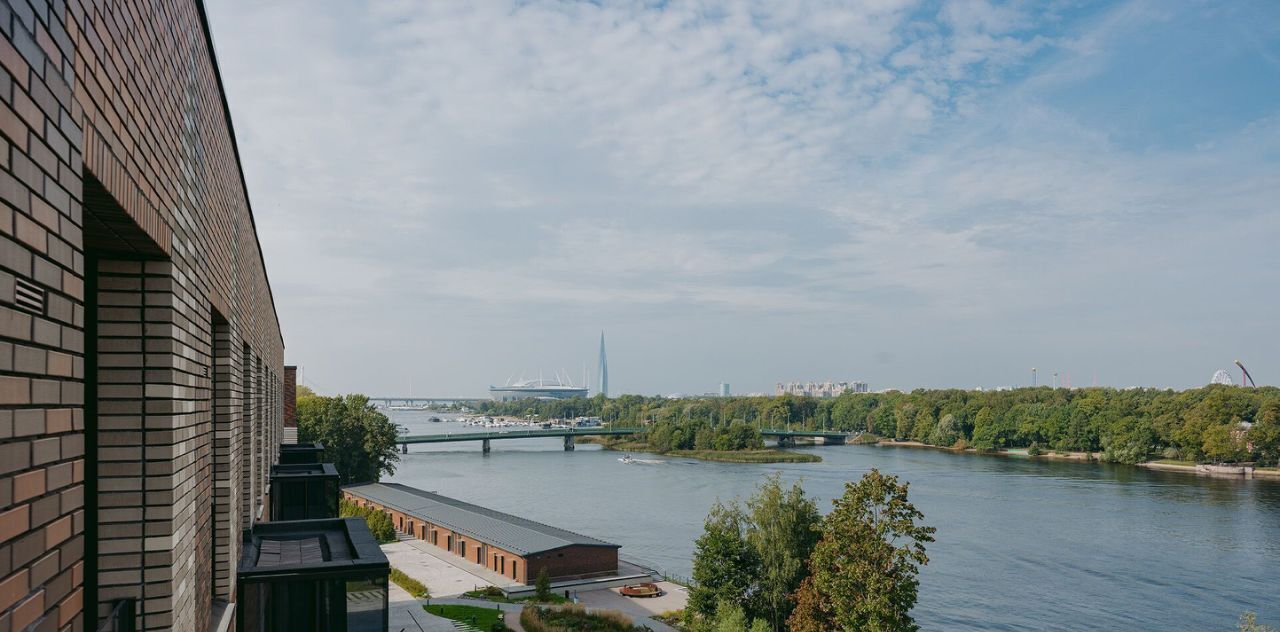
(574, 561)
(568, 562)
(141, 359)
(290, 394)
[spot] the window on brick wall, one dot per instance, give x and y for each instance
(222, 556)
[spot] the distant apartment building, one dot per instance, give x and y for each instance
(820, 389)
(141, 359)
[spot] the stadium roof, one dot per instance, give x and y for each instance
(513, 533)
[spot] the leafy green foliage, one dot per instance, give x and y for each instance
(573, 618)
(754, 559)
(542, 585)
(379, 522)
(783, 530)
(1125, 426)
(863, 571)
(409, 584)
(725, 565)
(358, 440)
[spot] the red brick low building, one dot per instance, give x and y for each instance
(513, 546)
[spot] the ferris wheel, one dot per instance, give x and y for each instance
(1221, 377)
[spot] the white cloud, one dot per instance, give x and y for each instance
(891, 162)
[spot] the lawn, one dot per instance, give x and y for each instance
(481, 618)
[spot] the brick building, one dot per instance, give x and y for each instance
(513, 546)
(141, 358)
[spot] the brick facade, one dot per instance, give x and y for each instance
(141, 358)
(290, 394)
(570, 562)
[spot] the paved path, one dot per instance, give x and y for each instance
(443, 573)
(406, 614)
(675, 597)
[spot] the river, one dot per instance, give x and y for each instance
(1021, 544)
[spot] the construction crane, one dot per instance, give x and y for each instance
(1245, 378)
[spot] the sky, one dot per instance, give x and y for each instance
(911, 194)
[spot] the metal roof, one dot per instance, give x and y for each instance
(287, 549)
(513, 533)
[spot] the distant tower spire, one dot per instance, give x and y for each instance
(603, 377)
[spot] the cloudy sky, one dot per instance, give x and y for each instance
(913, 194)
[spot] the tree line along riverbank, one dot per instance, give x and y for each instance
(1214, 424)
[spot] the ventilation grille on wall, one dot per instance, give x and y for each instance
(29, 296)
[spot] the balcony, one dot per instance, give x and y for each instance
(312, 575)
(304, 491)
(295, 453)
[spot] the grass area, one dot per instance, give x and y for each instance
(748, 456)
(623, 445)
(409, 584)
(481, 618)
(494, 594)
(1174, 462)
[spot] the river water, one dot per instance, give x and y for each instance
(1021, 544)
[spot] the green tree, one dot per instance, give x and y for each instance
(724, 563)
(864, 570)
(783, 530)
(1129, 440)
(730, 617)
(358, 440)
(542, 585)
(985, 433)
(1264, 436)
(945, 433)
(1223, 445)
(926, 422)
(379, 522)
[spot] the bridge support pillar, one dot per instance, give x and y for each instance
(484, 446)
(404, 448)
(568, 443)
(786, 442)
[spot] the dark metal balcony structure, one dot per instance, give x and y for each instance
(295, 453)
(312, 576)
(304, 491)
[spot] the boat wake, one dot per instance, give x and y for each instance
(633, 461)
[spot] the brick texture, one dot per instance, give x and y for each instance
(123, 212)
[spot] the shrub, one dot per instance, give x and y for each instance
(411, 585)
(573, 618)
(542, 586)
(1033, 449)
(379, 522)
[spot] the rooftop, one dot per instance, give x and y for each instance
(302, 447)
(513, 533)
(304, 470)
(337, 545)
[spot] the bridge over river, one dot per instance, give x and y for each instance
(785, 437)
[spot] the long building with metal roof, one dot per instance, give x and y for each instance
(516, 547)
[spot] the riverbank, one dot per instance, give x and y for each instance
(766, 455)
(748, 456)
(1187, 467)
